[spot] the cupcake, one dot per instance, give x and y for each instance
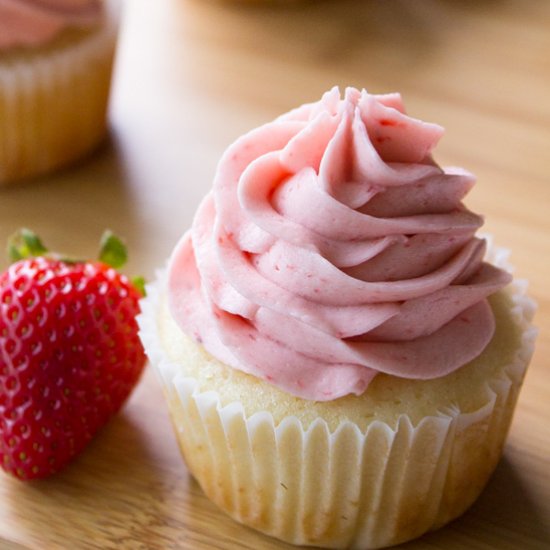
(340, 352)
(56, 60)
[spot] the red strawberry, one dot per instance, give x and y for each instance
(69, 353)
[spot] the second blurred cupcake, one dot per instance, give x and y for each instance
(56, 59)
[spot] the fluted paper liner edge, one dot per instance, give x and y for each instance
(309, 486)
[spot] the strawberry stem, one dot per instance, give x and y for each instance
(139, 284)
(24, 243)
(112, 251)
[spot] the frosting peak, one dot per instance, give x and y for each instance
(26, 23)
(331, 248)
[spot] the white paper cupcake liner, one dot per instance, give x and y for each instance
(53, 101)
(345, 488)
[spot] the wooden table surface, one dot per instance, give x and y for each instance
(192, 75)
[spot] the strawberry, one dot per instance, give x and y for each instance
(69, 353)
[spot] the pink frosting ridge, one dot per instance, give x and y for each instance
(332, 248)
(25, 23)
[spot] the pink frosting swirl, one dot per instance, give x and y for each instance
(333, 248)
(25, 23)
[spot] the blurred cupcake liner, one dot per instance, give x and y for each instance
(53, 100)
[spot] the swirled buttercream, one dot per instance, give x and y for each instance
(25, 23)
(332, 248)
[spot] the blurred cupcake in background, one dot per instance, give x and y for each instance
(56, 59)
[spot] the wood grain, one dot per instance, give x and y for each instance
(191, 76)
